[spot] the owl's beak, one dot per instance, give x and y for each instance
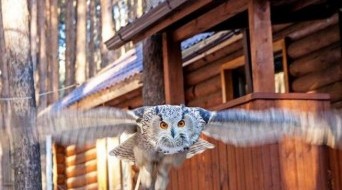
(173, 133)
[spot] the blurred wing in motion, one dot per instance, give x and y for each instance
(83, 127)
(250, 128)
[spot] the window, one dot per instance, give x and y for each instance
(234, 77)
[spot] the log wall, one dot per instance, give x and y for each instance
(76, 167)
(316, 64)
(290, 164)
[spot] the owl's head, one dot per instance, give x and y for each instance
(171, 129)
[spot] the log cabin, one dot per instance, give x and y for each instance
(250, 54)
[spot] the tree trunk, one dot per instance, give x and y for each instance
(34, 38)
(91, 47)
(54, 50)
(107, 31)
(47, 51)
(81, 41)
(6, 179)
(153, 78)
(42, 59)
(26, 155)
(70, 45)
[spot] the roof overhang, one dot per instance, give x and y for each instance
(185, 18)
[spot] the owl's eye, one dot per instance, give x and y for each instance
(163, 125)
(181, 123)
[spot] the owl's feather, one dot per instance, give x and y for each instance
(125, 150)
(200, 146)
(249, 128)
(81, 127)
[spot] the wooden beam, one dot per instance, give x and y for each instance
(173, 71)
(261, 45)
(187, 10)
(248, 64)
(149, 19)
(210, 19)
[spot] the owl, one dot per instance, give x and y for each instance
(164, 136)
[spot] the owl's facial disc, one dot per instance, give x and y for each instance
(173, 139)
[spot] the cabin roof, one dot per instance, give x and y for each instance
(119, 71)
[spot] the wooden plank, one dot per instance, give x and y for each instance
(173, 71)
(194, 173)
(50, 160)
(223, 163)
(261, 45)
(232, 167)
(101, 158)
(114, 164)
(210, 19)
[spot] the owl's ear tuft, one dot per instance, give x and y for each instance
(139, 113)
(205, 114)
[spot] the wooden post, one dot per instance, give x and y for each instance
(261, 45)
(247, 53)
(173, 71)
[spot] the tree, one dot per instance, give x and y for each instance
(81, 41)
(42, 59)
(107, 30)
(91, 47)
(54, 68)
(26, 154)
(70, 35)
(153, 77)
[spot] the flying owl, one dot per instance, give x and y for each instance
(164, 136)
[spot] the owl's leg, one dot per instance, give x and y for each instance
(146, 175)
(162, 176)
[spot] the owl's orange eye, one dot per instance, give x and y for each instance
(181, 123)
(163, 125)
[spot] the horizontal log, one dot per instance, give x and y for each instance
(312, 27)
(81, 181)
(334, 90)
(209, 70)
(314, 42)
(81, 169)
(317, 61)
(207, 102)
(93, 186)
(233, 45)
(131, 103)
(204, 88)
(81, 158)
(210, 19)
(318, 79)
(73, 149)
(337, 105)
(127, 96)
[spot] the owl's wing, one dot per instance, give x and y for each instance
(83, 127)
(125, 150)
(248, 128)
